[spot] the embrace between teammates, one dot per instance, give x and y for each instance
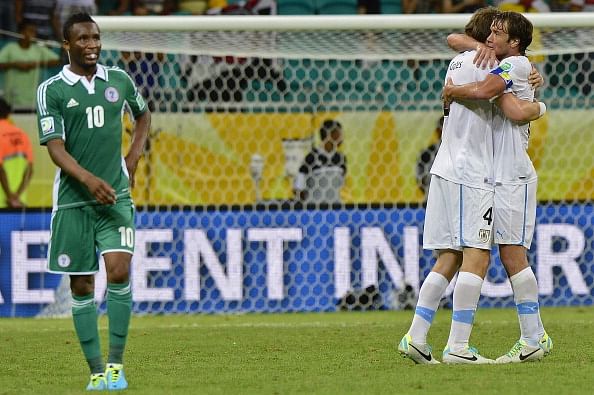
(483, 192)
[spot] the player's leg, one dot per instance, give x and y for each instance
(431, 292)
(465, 301)
(514, 219)
(76, 256)
(84, 315)
(115, 239)
(414, 342)
(475, 219)
(437, 235)
(119, 309)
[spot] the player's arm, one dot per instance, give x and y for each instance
(139, 138)
(520, 111)
(142, 125)
(487, 89)
(101, 190)
(485, 57)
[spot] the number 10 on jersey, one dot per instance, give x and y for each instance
(95, 117)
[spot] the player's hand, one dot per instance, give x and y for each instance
(485, 57)
(101, 190)
(535, 79)
(446, 94)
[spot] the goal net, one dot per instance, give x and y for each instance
(238, 103)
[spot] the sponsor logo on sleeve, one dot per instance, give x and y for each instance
(47, 125)
(140, 101)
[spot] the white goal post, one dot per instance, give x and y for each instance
(337, 37)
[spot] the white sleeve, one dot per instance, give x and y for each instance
(514, 71)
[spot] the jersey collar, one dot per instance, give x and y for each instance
(71, 78)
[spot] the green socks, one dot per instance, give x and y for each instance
(119, 308)
(84, 315)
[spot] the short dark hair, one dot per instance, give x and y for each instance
(81, 17)
(5, 109)
(328, 127)
(517, 26)
(479, 25)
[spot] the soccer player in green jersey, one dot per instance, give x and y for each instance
(80, 121)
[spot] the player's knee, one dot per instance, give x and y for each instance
(118, 275)
(82, 285)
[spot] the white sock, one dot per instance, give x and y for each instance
(429, 296)
(526, 299)
(466, 296)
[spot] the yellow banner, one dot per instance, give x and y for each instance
(198, 159)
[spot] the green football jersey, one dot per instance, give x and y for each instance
(87, 115)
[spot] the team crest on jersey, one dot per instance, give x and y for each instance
(484, 235)
(47, 125)
(111, 94)
(63, 260)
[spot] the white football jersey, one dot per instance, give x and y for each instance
(465, 155)
(512, 165)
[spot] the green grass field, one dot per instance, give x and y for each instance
(332, 353)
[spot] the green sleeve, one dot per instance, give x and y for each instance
(49, 116)
(134, 98)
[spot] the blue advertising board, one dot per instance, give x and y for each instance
(250, 260)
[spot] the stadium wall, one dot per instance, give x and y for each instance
(251, 260)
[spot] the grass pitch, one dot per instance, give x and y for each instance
(332, 353)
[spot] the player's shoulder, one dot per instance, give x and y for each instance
(52, 83)
(116, 72)
(515, 62)
(462, 56)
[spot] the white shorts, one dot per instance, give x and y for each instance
(457, 216)
(514, 214)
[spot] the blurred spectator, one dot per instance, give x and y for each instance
(323, 171)
(113, 7)
(41, 14)
(425, 160)
(582, 5)
(421, 6)
(153, 7)
(23, 61)
(7, 16)
(16, 161)
(198, 7)
(462, 6)
(524, 5)
(369, 7)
